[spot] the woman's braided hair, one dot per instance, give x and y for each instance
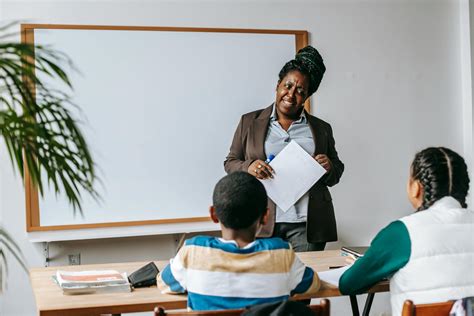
(441, 172)
(308, 62)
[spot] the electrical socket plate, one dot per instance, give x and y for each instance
(75, 259)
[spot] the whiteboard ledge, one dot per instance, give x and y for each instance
(116, 232)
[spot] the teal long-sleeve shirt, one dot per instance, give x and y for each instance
(389, 252)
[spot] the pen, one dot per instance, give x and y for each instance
(270, 158)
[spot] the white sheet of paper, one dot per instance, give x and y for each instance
(295, 173)
(332, 276)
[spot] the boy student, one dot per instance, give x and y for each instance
(237, 270)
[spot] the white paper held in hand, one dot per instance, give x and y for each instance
(295, 173)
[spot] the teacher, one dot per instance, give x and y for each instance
(310, 222)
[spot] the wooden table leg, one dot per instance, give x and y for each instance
(354, 305)
(368, 304)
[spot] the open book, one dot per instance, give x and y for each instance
(97, 281)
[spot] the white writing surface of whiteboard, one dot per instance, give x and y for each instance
(161, 110)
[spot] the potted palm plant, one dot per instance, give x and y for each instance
(38, 128)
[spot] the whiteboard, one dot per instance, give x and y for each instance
(159, 110)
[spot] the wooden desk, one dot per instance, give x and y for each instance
(51, 301)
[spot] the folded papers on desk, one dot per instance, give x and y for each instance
(332, 276)
(96, 281)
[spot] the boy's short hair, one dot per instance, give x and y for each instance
(239, 200)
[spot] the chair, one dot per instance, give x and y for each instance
(159, 311)
(433, 309)
(321, 309)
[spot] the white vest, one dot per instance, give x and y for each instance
(441, 264)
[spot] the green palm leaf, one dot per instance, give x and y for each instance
(37, 124)
(7, 242)
(39, 129)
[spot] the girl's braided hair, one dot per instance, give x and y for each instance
(441, 172)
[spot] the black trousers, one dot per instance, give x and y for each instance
(295, 234)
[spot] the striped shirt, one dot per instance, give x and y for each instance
(217, 274)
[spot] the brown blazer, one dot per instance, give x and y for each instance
(248, 145)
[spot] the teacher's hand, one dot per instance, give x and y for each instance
(324, 161)
(260, 169)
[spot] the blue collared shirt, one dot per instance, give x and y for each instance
(277, 138)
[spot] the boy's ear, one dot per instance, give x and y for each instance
(264, 218)
(212, 214)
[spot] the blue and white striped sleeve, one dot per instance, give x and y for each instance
(172, 280)
(303, 279)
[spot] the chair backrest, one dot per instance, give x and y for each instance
(434, 309)
(159, 311)
(321, 309)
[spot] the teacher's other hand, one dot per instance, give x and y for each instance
(260, 169)
(324, 161)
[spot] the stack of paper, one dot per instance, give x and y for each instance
(99, 281)
(332, 276)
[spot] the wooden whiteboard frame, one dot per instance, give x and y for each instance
(31, 192)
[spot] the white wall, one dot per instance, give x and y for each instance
(466, 27)
(394, 76)
(469, 132)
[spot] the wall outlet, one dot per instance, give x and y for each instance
(74, 259)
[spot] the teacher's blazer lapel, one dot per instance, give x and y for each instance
(259, 132)
(319, 135)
